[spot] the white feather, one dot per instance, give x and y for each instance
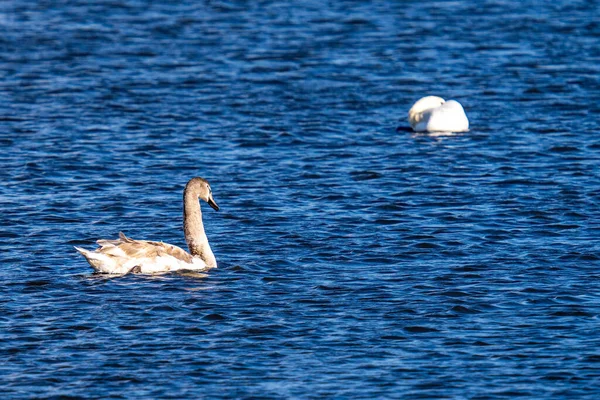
(434, 114)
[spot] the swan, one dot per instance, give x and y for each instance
(125, 255)
(434, 114)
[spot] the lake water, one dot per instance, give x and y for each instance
(356, 260)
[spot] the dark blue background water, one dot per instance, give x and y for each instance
(355, 261)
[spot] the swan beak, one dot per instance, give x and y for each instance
(211, 202)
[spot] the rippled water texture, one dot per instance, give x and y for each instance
(355, 260)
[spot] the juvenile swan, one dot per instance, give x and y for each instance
(434, 114)
(126, 255)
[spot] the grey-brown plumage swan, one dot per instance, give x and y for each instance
(126, 255)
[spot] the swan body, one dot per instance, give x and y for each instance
(125, 255)
(434, 114)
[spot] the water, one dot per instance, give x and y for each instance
(355, 260)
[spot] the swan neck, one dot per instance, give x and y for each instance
(194, 229)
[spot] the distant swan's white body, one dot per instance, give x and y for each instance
(125, 255)
(434, 114)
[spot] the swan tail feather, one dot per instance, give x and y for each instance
(100, 262)
(123, 238)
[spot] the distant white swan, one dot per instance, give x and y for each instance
(434, 114)
(126, 255)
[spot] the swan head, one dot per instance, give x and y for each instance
(426, 103)
(423, 104)
(200, 188)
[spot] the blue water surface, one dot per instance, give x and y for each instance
(355, 260)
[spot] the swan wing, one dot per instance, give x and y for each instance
(145, 249)
(449, 117)
(166, 249)
(124, 255)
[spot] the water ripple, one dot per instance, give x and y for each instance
(356, 259)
